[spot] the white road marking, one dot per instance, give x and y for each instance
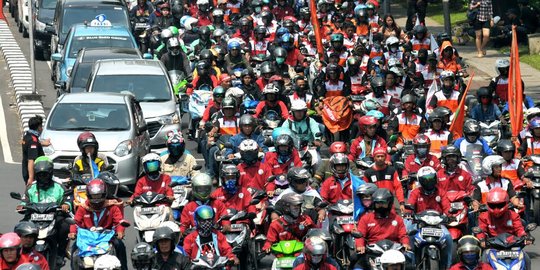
(6, 150)
(49, 63)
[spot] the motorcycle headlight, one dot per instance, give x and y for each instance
(169, 119)
(124, 148)
(40, 26)
(48, 150)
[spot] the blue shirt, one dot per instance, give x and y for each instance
(237, 139)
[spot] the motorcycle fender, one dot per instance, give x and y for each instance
(148, 235)
(349, 242)
(433, 252)
(536, 194)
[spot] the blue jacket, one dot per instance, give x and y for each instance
(488, 151)
(528, 102)
(237, 139)
(491, 114)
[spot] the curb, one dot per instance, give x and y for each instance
(21, 77)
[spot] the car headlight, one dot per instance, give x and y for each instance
(48, 150)
(169, 119)
(123, 149)
(40, 26)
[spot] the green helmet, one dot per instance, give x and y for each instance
(336, 37)
(174, 30)
(43, 164)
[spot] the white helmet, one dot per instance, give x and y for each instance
(248, 145)
(391, 257)
(151, 164)
(532, 112)
(391, 40)
(298, 105)
(218, 12)
(502, 63)
(107, 262)
(188, 23)
(489, 162)
(446, 74)
(203, 2)
(270, 89)
(150, 157)
(235, 92)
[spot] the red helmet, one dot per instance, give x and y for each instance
(338, 147)
(380, 151)
(421, 140)
(497, 201)
(366, 121)
(10, 240)
(87, 139)
(96, 191)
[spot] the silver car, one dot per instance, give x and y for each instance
(116, 120)
(149, 82)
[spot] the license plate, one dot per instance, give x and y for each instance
(345, 220)
(433, 232)
(510, 254)
(457, 205)
(285, 262)
(237, 227)
(42, 217)
(149, 210)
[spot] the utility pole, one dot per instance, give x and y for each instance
(31, 15)
(446, 14)
(386, 7)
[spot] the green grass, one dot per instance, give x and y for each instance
(435, 12)
(524, 56)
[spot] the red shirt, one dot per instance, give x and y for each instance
(253, 176)
(161, 186)
(187, 221)
(386, 177)
(306, 266)
(356, 147)
(332, 192)
(510, 222)
(436, 201)
(276, 168)
(282, 12)
(192, 248)
(280, 104)
(239, 201)
(6, 266)
(412, 165)
(461, 266)
(108, 218)
(210, 110)
(37, 258)
(377, 229)
(460, 180)
(278, 231)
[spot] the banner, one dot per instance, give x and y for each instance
(433, 88)
(456, 128)
(316, 28)
(515, 88)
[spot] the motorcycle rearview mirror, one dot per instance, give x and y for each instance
(238, 216)
(15, 195)
(197, 168)
(271, 178)
(228, 145)
(399, 165)
(467, 199)
(453, 210)
(412, 232)
(254, 201)
(322, 204)
(125, 223)
(125, 189)
(357, 234)
(477, 230)
(109, 168)
(409, 206)
(531, 227)
(251, 215)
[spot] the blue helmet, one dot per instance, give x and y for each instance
(534, 123)
(203, 212)
(377, 114)
(287, 41)
(233, 45)
(279, 131)
(281, 31)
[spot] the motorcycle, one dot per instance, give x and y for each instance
(458, 214)
(375, 251)
(285, 252)
(198, 101)
(261, 222)
(342, 225)
(239, 238)
(91, 244)
(281, 184)
(491, 133)
(140, 26)
(44, 216)
(180, 83)
(472, 161)
(149, 213)
(534, 175)
(428, 238)
(506, 250)
(209, 261)
(181, 186)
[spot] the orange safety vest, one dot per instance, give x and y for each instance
(228, 127)
(533, 146)
(438, 141)
(409, 127)
(451, 103)
(421, 44)
(334, 90)
(510, 171)
(484, 188)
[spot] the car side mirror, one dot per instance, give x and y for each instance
(56, 57)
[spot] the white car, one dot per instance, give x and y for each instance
(22, 20)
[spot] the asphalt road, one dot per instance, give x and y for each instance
(10, 149)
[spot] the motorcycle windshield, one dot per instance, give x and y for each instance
(92, 243)
(288, 247)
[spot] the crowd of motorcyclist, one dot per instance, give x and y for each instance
(276, 107)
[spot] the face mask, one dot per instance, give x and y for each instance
(283, 158)
(393, 49)
(250, 157)
(295, 213)
(470, 259)
(154, 175)
(43, 181)
(316, 259)
(176, 150)
(421, 152)
(280, 60)
(205, 228)
(230, 186)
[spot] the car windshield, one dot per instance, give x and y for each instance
(146, 88)
(48, 4)
(114, 14)
(98, 41)
(79, 77)
(89, 117)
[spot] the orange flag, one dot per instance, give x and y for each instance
(515, 88)
(459, 116)
(316, 28)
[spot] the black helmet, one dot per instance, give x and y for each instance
(43, 172)
(245, 22)
(435, 115)
(420, 29)
(284, 140)
(280, 52)
(471, 128)
(451, 150)
(339, 159)
(28, 266)
(505, 145)
(163, 233)
(384, 196)
(267, 67)
(321, 233)
(260, 29)
(298, 175)
(205, 33)
(142, 256)
(288, 23)
(202, 66)
(287, 202)
(427, 177)
(468, 244)
(26, 228)
(247, 120)
(332, 68)
(443, 111)
(377, 82)
(483, 92)
(408, 98)
(366, 189)
(229, 178)
(228, 103)
(206, 55)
